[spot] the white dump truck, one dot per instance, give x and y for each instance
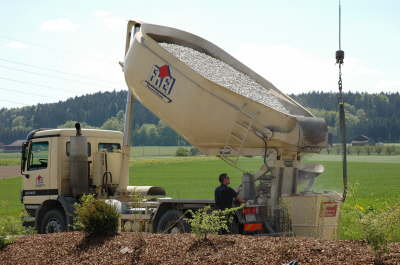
(225, 117)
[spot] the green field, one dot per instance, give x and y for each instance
(10, 190)
(136, 152)
(378, 179)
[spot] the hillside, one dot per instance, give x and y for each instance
(374, 115)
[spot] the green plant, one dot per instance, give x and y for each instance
(10, 226)
(95, 217)
(206, 221)
(3, 241)
(379, 226)
(390, 149)
(194, 151)
(378, 149)
(181, 151)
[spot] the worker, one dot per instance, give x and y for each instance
(225, 195)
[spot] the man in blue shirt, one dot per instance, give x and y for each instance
(225, 195)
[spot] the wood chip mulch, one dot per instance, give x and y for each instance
(130, 248)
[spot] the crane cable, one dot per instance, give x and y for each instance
(342, 117)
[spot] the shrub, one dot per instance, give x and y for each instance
(3, 242)
(206, 221)
(10, 225)
(181, 151)
(378, 226)
(378, 149)
(95, 217)
(194, 151)
(390, 149)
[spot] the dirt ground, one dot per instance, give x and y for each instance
(131, 248)
(9, 171)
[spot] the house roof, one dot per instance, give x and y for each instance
(361, 138)
(15, 143)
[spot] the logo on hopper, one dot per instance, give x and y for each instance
(161, 82)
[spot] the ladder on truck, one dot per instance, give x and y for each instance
(238, 135)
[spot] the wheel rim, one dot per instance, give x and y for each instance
(175, 230)
(53, 226)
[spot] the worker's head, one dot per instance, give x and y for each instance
(224, 179)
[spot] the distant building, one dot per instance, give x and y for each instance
(1, 145)
(361, 140)
(14, 147)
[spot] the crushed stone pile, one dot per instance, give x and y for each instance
(132, 248)
(224, 75)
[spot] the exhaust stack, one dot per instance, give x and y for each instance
(78, 163)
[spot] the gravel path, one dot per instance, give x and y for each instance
(9, 171)
(129, 248)
(223, 74)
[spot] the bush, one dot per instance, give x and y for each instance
(390, 149)
(11, 226)
(378, 149)
(181, 151)
(95, 217)
(378, 226)
(3, 242)
(205, 221)
(194, 151)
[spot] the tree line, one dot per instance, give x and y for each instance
(374, 115)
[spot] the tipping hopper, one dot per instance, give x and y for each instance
(213, 117)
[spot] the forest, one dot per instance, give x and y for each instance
(374, 115)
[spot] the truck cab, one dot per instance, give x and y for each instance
(60, 165)
(45, 167)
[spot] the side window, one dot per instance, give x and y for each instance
(109, 147)
(38, 155)
(67, 148)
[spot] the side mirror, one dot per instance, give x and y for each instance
(23, 156)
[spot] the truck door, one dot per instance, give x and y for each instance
(37, 172)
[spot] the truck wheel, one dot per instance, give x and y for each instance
(234, 226)
(53, 222)
(172, 222)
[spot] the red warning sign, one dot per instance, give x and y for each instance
(328, 209)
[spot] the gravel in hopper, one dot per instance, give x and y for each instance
(224, 75)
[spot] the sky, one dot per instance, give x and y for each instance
(54, 50)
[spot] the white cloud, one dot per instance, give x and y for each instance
(109, 21)
(16, 45)
(102, 13)
(293, 70)
(290, 69)
(60, 24)
(389, 85)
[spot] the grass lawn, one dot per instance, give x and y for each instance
(10, 197)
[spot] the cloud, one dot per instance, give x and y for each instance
(102, 13)
(16, 45)
(60, 24)
(290, 69)
(295, 70)
(389, 85)
(109, 21)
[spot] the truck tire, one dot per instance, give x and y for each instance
(172, 222)
(53, 222)
(234, 226)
